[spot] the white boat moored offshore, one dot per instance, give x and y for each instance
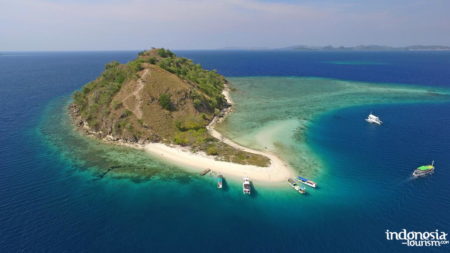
(246, 186)
(307, 182)
(219, 181)
(374, 119)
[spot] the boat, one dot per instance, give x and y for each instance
(307, 182)
(292, 182)
(205, 172)
(296, 187)
(246, 186)
(424, 170)
(219, 181)
(301, 189)
(374, 119)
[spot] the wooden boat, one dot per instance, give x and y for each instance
(205, 172)
(296, 187)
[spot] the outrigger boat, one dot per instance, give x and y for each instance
(246, 186)
(296, 187)
(219, 181)
(424, 170)
(307, 182)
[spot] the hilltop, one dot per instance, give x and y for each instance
(158, 98)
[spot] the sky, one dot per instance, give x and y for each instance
(47, 25)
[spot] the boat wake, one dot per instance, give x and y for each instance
(406, 180)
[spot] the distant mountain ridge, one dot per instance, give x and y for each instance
(369, 48)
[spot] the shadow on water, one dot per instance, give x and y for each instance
(254, 192)
(225, 186)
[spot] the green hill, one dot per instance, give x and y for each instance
(158, 97)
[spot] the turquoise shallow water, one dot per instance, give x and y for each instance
(55, 194)
(274, 113)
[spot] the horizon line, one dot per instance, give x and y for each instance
(232, 48)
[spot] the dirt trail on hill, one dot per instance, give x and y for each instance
(137, 110)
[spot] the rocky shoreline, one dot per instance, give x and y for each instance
(275, 172)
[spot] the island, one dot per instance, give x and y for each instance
(168, 106)
(369, 48)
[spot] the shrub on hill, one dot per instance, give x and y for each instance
(165, 102)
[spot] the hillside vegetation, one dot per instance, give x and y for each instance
(158, 97)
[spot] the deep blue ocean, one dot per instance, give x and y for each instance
(50, 203)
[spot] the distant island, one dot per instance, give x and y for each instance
(167, 105)
(370, 48)
(346, 48)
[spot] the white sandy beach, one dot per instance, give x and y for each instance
(277, 172)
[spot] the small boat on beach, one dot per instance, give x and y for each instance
(219, 182)
(246, 186)
(424, 170)
(374, 119)
(205, 172)
(307, 182)
(296, 187)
